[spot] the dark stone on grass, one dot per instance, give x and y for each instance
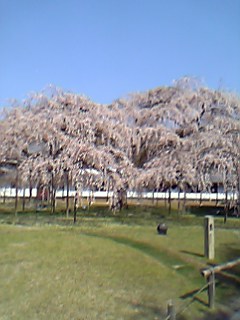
(162, 229)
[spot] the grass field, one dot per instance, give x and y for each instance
(109, 267)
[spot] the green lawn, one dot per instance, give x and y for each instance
(105, 268)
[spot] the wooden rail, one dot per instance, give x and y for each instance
(209, 274)
(220, 267)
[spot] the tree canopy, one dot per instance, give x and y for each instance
(183, 136)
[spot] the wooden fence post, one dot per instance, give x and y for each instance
(209, 274)
(211, 289)
(171, 314)
(209, 237)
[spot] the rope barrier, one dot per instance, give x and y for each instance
(185, 306)
(209, 274)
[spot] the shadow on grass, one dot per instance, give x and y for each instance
(162, 256)
(190, 294)
(219, 315)
(229, 279)
(147, 311)
(230, 252)
(193, 253)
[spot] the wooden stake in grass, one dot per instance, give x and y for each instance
(211, 290)
(171, 314)
(209, 237)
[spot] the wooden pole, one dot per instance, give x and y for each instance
(209, 274)
(211, 289)
(209, 251)
(219, 268)
(171, 314)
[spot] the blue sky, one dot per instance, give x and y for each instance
(106, 49)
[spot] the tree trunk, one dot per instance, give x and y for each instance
(75, 207)
(200, 200)
(16, 190)
(48, 195)
(54, 201)
(4, 196)
(90, 199)
(238, 191)
(30, 186)
(126, 201)
(226, 207)
(42, 196)
(74, 213)
(108, 189)
(184, 201)
(67, 199)
(23, 200)
(169, 201)
(52, 194)
(178, 201)
(217, 196)
(157, 196)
